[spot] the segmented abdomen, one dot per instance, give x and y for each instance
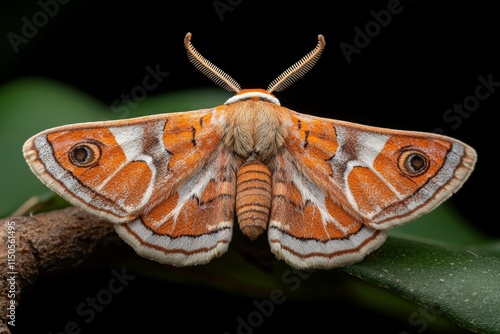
(253, 198)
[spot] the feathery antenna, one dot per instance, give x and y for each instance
(214, 73)
(297, 70)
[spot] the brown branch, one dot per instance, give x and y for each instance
(49, 243)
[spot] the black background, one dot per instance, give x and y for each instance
(425, 60)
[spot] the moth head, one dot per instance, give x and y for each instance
(285, 79)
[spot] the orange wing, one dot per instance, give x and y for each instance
(342, 183)
(307, 229)
(164, 176)
(136, 162)
(192, 225)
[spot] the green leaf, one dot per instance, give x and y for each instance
(451, 281)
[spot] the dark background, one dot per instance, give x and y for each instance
(427, 58)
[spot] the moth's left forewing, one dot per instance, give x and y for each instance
(120, 169)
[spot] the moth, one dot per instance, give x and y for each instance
(174, 184)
